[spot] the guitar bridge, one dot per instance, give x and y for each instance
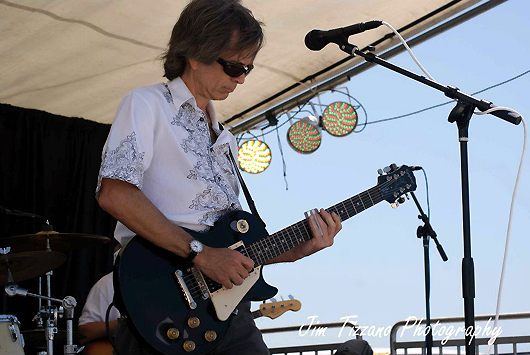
(185, 291)
(199, 278)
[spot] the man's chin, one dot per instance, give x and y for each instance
(221, 96)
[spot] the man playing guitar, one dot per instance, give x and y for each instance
(166, 161)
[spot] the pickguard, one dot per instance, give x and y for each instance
(226, 300)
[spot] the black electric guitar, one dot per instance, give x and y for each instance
(178, 310)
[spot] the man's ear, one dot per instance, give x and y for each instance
(194, 65)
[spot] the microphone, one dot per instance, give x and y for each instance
(316, 40)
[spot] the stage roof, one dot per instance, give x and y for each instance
(79, 58)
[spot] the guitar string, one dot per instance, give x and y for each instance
(290, 230)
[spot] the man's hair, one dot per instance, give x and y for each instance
(205, 29)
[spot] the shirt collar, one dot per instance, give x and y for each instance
(181, 94)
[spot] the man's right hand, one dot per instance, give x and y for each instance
(223, 265)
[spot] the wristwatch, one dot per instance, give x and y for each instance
(196, 247)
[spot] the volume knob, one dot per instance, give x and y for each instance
(173, 333)
(194, 322)
(210, 335)
(188, 346)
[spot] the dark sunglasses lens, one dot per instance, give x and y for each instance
(234, 70)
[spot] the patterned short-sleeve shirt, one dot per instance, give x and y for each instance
(160, 142)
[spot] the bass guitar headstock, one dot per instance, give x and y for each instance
(277, 308)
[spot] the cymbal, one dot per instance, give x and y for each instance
(36, 338)
(27, 265)
(63, 242)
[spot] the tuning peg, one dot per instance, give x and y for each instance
(395, 204)
(386, 169)
(401, 200)
(291, 297)
(282, 298)
(407, 196)
(380, 171)
(393, 166)
(273, 299)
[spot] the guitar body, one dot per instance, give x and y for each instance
(149, 293)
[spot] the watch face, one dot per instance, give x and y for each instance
(196, 246)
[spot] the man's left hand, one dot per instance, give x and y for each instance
(330, 225)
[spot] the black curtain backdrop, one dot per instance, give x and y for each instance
(49, 166)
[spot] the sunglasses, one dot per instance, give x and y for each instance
(235, 70)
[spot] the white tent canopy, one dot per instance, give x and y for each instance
(79, 58)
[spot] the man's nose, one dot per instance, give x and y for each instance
(240, 79)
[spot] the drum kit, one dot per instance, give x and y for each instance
(29, 256)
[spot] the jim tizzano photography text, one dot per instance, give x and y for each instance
(413, 327)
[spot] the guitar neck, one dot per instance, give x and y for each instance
(284, 240)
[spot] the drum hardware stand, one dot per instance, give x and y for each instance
(51, 315)
(461, 114)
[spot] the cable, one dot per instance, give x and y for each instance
(508, 232)
(408, 49)
(427, 189)
(107, 327)
(283, 161)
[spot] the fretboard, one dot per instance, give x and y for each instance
(284, 240)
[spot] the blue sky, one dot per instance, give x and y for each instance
(375, 269)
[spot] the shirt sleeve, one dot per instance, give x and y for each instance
(129, 147)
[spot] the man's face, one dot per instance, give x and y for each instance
(213, 83)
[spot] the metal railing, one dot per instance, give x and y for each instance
(406, 346)
(317, 348)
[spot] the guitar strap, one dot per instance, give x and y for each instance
(250, 201)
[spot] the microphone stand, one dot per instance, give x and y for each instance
(425, 232)
(461, 114)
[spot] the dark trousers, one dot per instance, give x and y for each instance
(242, 337)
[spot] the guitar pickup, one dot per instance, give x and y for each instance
(185, 291)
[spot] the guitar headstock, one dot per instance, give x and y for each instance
(275, 309)
(394, 182)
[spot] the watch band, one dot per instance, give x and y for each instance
(191, 256)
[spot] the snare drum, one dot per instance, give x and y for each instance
(11, 341)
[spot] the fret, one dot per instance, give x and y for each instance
(307, 234)
(372, 201)
(365, 202)
(357, 204)
(350, 209)
(345, 211)
(299, 231)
